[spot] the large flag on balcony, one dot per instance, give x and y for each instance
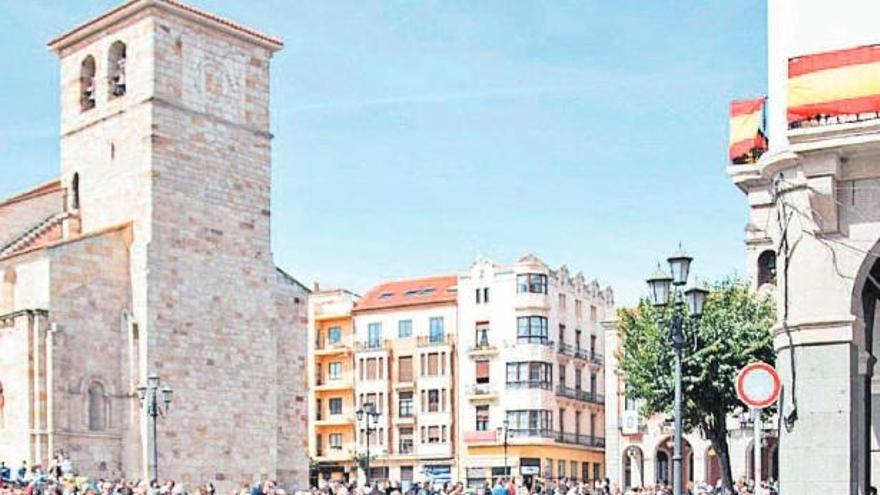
(842, 82)
(747, 140)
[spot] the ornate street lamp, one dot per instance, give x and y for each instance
(665, 289)
(155, 401)
(370, 418)
(503, 430)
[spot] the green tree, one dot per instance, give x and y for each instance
(735, 329)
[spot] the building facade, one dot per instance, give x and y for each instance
(405, 367)
(813, 200)
(531, 380)
(331, 376)
(151, 255)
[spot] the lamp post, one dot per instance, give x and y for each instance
(666, 289)
(153, 406)
(370, 418)
(503, 431)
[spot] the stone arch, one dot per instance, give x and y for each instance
(663, 453)
(767, 268)
(97, 405)
(116, 60)
(769, 459)
(865, 295)
(633, 467)
(713, 466)
(87, 83)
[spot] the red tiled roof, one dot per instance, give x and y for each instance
(414, 292)
(47, 188)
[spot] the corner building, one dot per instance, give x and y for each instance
(531, 376)
(151, 254)
(813, 208)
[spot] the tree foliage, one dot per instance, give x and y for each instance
(735, 330)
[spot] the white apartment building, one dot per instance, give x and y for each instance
(530, 375)
(405, 366)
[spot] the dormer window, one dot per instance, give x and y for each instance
(87, 83)
(116, 69)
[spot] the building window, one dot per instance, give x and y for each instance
(479, 295)
(374, 335)
(433, 364)
(404, 329)
(531, 329)
(404, 369)
(405, 442)
(87, 83)
(561, 333)
(562, 302)
(433, 400)
(529, 421)
(405, 405)
(578, 308)
(372, 369)
(436, 329)
(534, 283)
(562, 369)
(97, 407)
(482, 366)
(530, 374)
(334, 335)
(767, 268)
(482, 335)
(433, 434)
(482, 295)
(74, 192)
(561, 467)
(482, 418)
(116, 69)
(336, 441)
(578, 375)
(334, 370)
(335, 405)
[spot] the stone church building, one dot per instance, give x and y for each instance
(150, 254)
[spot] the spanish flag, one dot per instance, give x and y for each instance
(747, 141)
(842, 82)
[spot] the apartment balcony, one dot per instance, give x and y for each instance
(372, 345)
(481, 392)
(578, 352)
(346, 382)
(557, 436)
(330, 454)
(487, 436)
(327, 349)
(343, 419)
(538, 341)
(580, 395)
(435, 340)
(484, 349)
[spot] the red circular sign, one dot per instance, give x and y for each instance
(758, 385)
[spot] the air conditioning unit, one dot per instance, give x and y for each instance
(629, 424)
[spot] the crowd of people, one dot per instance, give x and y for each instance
(516, 487)
(60, 478)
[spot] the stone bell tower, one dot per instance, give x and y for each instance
(165, 125)
(813, 200)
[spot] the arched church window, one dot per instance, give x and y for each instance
(767, 268)
(116, 69)
(87, 83)
(97, 407)
(74, 192)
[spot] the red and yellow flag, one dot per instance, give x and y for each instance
(747, 141)
(842, 82)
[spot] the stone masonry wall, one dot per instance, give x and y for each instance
(89, 297)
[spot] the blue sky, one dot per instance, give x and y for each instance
(411, 136)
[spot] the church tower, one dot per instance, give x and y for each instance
(165, 127)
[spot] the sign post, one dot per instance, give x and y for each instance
(758, 386)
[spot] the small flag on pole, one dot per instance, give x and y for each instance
(747, 139)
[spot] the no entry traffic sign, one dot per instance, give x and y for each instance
(758, 385)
